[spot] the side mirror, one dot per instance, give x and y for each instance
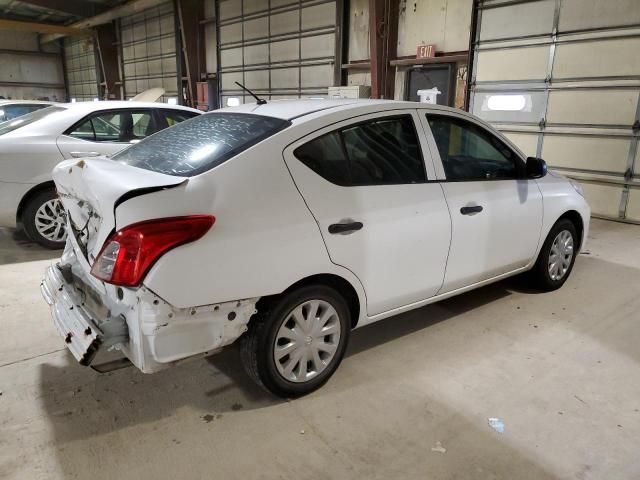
(536, 167)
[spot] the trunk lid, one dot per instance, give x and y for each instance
(91, 189)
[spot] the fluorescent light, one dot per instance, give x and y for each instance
(233, 102)
(172, 101)
(511, 103)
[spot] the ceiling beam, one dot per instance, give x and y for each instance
(45, 28)
(78, 8)
(130, 8)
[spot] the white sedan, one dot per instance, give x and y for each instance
(287, 225)
(32, 144)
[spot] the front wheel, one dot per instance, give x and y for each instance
(44, 221)
(556, 258)
(295, 343)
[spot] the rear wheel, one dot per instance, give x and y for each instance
(44, 221)
(556, 258)
(295, 343)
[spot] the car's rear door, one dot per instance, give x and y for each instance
(496, 212)
(366, 182)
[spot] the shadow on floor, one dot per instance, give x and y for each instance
(15, 247)
(82, 402)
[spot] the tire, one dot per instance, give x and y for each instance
(543, 276)
(34, 219)
(258, 346)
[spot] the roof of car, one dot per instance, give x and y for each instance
(29, 102)
(107, 104)
(292, 109)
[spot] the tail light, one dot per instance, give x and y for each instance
(129, 253)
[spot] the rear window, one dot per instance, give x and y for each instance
(201, 143)
(29, 118)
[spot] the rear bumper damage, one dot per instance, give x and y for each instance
(92, 316)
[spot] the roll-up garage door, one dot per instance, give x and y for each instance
(561, 78)
(149, 51)
(277, 48)
(80, 68)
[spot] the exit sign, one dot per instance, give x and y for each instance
(426, 51)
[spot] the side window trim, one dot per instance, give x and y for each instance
(435, 153)
(424, 149)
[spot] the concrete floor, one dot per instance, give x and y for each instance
(561, 370)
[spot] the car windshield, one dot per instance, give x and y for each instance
(201, 143)
(29, 118)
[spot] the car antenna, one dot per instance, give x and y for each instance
(259, 101)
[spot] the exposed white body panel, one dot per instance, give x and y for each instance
(272, 216)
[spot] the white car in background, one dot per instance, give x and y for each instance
(286, 225)
(31, 145)
(10, 109)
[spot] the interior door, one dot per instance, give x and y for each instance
(496, 213)
(107, 132)
(365, 182)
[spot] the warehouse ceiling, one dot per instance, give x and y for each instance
(59, 12)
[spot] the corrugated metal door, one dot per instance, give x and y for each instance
(561, 78)
(80, 68)
(277, 48)
(149, 51)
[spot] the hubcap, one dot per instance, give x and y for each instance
(560, 255)
(307, 341)
(50, 221)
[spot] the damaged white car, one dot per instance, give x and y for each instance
(286, 225)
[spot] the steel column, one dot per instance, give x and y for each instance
(106, 41)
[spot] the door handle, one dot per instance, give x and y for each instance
(471, 210)
(85, 154)
(345, 228)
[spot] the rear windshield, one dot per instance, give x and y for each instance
(29, 118)
(201, 143)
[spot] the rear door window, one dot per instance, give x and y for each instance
(201, 143)
(384, 151)
(119, 126)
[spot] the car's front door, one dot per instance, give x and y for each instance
(108, 132)
(496, 212)
(365, 181)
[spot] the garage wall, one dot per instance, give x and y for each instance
(28, 71)
(444, 23)
(278, 48)
(81, 68)
(565, 85)
(149, 51)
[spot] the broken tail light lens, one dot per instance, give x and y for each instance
(130, 253)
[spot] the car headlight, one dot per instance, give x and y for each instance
(578, 188)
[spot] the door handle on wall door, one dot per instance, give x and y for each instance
(85, 154)
(471, 210)
(345, 228)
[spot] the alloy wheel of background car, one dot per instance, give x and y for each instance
(50, 221)
(307, 340)
(44, 220)
(296, 341)
(556, 258)
(561, 255)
